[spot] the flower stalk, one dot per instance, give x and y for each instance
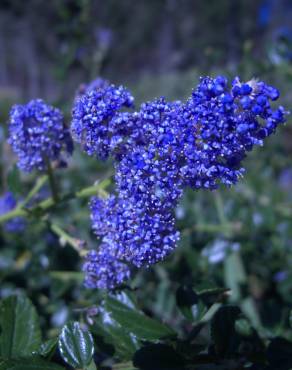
(44, 206)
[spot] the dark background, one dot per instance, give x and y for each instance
(48, 48)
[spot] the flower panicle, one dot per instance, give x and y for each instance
(38, 135)
(159, 151)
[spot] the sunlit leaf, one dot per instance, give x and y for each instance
(125, 344)
(136, 322)
(76, 345)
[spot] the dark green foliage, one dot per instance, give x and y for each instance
(158, 356)
(138, 340)
(20, 333)
(28, 364)
(223, 330)
(279, 354)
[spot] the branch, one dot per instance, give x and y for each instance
(42, 207)
(65, 238)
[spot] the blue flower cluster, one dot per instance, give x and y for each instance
(7, 204)
(103, 269)
(159, 151)
(94, 123)
(222, 125)
(37, 135)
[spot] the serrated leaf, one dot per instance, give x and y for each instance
(20, 333)
(13, 180)
(28, 364)
(136, 322)
(76, 345)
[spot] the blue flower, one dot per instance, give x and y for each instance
(280, 276)
(216, 251)
(94, 122)
(37, 134)
(224, 127)
(149, 172)
(135, 234)
(7, 204)
(103, 270)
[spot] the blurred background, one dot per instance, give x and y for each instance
(48, 48)
(239, 238)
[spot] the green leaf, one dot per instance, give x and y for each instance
(48, 348)
(249, 308)
(125, 344)
(204, 318)
(123, 366)
(223, 329)
(128, 299)
(136, 322)
(209, 314)
(243, 327)
(76, 345)
(213, 295)
(235, 276)
(28, 364)
(20, 330)
(13, 180)
(236, 280)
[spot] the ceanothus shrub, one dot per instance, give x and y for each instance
(159, 149)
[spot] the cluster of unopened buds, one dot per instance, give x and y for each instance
(158, 150)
